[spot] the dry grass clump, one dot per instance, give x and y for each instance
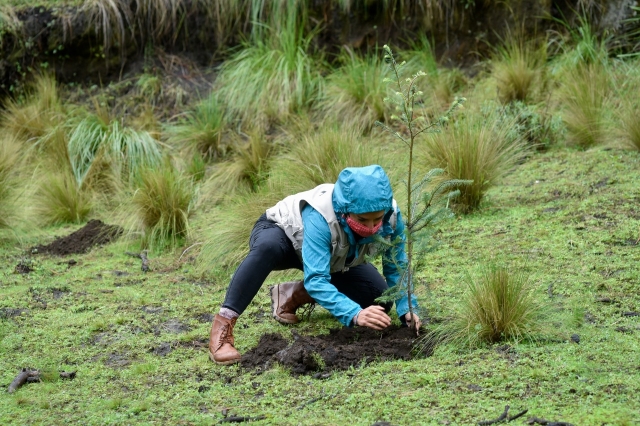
(478, 147)
(631, 128)
(584, 95)
(519, 70)
(60, 199)
(319, 155)
(201, 130)
(162, 206)
(355, 92)
(227, 235)
(9, 156)
(38, 114)
(246, 170)
(499, 305)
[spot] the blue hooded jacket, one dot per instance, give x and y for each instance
(358, 190)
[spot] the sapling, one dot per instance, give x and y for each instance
(424, 207)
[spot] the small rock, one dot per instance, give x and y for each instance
(575, 338)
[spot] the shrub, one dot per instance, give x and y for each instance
(538, 128)
(519, 70)
(59, 199)
(584, 95)
(480, 148)
(162, 206)
(355, 92)
(273, 75)
(201, 130)
(499, 305)
(9, 156)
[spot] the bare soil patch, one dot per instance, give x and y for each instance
(339, 350)
(94, 233)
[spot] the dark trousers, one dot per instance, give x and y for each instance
(271, 250)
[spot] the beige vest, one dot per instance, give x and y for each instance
(287, 215)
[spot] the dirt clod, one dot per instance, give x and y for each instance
(339, 350)
(95, 232)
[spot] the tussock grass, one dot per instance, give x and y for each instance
(247, 169)
(499, 305)
(631, 128)
(38, 114)
(480, 148)
(584, 95)
(201, 130)
(59, 199)
(226, 237)
(355, 92)
(272, 76)
(9, 157)
(519, 70)
(319, 155)
(127, 150)
(162, 206)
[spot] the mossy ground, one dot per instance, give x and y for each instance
(138, 341)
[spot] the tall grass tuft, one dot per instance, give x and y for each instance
(480, 148)
(354, 93)
(273, 75)
(247, 169)
(631, 128)
(225, 238)
(59, 199)
(201, 130)
(162, 206)
(38, 114)
(499, 305)
(584, 95)
(318, 156)
(519, 70)
(9, 156)
(127, 150)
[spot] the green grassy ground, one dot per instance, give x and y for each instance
(138, 341)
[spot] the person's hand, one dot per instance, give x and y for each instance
(374, 317)
(412, 323)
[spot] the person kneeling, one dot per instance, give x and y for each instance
(328, 232)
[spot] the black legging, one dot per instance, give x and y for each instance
(271, 250)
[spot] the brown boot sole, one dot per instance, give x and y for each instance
(233, 361)
(274, 297)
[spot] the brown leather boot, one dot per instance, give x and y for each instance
(221, 350)
(286, 298)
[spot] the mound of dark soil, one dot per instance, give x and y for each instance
(339, 350)
(95, 232)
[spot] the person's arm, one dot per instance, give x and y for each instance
(394, 262)
(316, 259)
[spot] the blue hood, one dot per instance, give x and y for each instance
(362, 190)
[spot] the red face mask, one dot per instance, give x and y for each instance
(362, 230)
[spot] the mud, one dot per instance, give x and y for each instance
(341, 349)
(94, 233)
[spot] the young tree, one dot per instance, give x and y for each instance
(425, 206)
